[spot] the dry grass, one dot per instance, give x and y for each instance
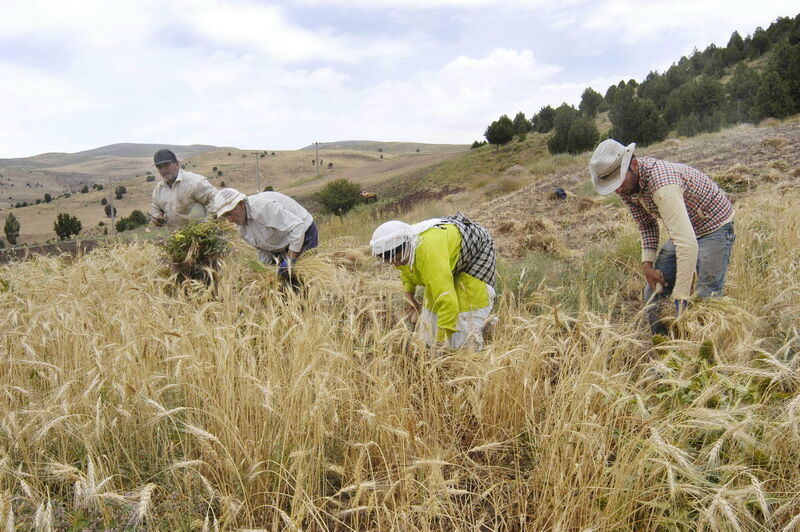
(128, 403)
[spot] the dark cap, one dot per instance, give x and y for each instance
(164, 156)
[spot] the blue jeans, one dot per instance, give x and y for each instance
(713, 256)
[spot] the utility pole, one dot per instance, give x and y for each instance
(316, 156)
(111, 202)
(258, 170)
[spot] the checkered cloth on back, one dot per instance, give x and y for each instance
(477, 249)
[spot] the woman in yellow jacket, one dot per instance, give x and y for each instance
(454, 259)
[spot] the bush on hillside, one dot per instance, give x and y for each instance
(521, 124)
(772, 98)
(500, 132)
(637, 120)
(574, 133)
(11, 229)
(338, 197)
(66, 225)
(542, 122)
(591, 100)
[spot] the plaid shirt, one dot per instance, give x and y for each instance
(477, 249)
(707, 205)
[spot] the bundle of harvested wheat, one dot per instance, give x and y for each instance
(195, 250)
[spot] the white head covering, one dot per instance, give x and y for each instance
(608, 160)
(389, 235)
(226, 199)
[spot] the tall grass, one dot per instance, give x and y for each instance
(128, 403)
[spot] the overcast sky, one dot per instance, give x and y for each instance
(280, 75)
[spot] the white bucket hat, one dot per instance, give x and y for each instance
(608, 159)
(226, 199)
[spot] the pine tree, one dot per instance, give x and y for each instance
(11, 229)
(500, 132)
(591, 100)
(66, 225)
(521, 124)
(772, 98)
(542, 121)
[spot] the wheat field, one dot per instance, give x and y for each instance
(128, 403)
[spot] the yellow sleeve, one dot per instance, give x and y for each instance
(669, 200)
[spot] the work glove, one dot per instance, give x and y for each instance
(680, 306)
(285, 267)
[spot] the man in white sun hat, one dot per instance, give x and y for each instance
(181, 196)
(453, 258)
(696, 214)
(275, 224)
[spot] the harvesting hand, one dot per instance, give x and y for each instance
(654, 277)
(285, 267)
(412, 308)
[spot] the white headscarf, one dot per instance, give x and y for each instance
(389, 235)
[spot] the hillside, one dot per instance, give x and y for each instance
(292, 172)
(387, 147)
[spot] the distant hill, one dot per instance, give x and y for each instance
(388, 147)
(126, 149)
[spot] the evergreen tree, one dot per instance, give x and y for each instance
(654, 87)
(637, 120)
(704, 97)
(48, 198)
(521, 124)
(742, 89)
(500, 132)
(772, 97)
(11, 229)
(565, 115)
(66, 225)
(582, 135)
(759, 43)
(785, 62)
(734, 52)
(591, 101)
(542, 121)
(688, 126)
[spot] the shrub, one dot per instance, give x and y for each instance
(151, 178)
(85, 189)
(500, 132)
(11, 229)
(338, 197)
(66, 225)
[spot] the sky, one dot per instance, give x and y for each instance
(280, 75)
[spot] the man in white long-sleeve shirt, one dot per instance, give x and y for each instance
(181, 197)
(696, 213)
(275, 224)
